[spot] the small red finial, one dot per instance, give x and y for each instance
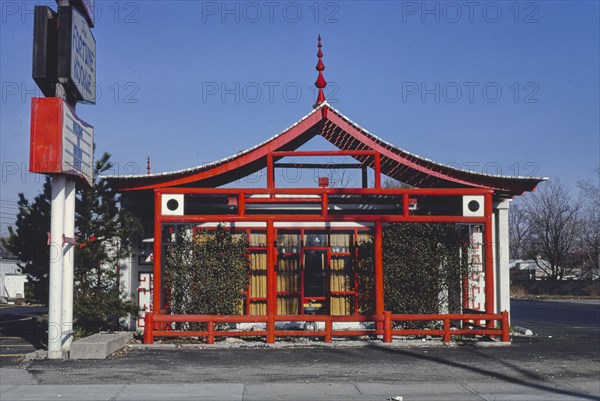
(148, 165)
(320, 83)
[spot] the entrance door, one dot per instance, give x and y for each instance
(316, 268)
(315, 264)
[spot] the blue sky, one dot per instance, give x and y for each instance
(497, 87)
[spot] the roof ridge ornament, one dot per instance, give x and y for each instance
(320, 83)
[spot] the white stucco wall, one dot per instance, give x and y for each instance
(501, 256)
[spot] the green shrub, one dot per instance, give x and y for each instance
(206, 273)
(423, 266)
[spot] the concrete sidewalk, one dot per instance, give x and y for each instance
(16, 386)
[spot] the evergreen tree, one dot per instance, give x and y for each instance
(423, 266)
(206, 273)
(104, 233)
(28, 240)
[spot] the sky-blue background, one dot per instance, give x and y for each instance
(156, 61)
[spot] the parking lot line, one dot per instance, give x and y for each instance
(16, 345)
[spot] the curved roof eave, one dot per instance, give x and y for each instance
(148, 181)
(292, 137)
(504, 185)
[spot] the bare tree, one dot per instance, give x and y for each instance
(591, 191)
(554, 226)
(392, 183)
(338, 177)
(590, 223)
(341, 178)
(519, 230)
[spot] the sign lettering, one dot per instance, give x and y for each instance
(83, 58)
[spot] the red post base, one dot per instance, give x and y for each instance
(149, 328)
(328, 329)
(387, 327)
(270, 329)
(505, 327)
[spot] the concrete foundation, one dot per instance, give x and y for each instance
(99, 346)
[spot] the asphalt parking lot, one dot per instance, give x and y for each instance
(548, 355)
(564, 350)
(22, 330)
(527, 360)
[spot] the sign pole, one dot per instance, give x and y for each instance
(69, 234)
(56, 268)
(64, 67)
(68, 259)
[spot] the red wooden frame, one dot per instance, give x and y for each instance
(244, 196)
(383, 324)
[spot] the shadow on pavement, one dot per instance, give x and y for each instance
(495, 374)
(29, 326)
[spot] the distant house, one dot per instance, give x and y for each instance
(522, 269)
(539, 270)
(591, 274)
(12, 281)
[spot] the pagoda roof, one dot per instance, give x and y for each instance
(343, 133)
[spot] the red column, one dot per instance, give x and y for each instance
(379, 296)
(242, 205)
(378, 170)
(505, 327)
(489, 258)
(271, 282)
(446, 335)
(156, 302)
(270, 172)
(149, 328)
(387, 327)
(328, 330)
(324, 205)
(211, 332)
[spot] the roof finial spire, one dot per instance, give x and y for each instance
(148, 165)
(320, 83)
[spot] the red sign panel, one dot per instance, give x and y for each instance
(60, 141)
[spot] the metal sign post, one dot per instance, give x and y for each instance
(56, 269)
(68, 259)
(64, 66)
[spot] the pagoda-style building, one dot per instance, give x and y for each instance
(303, 241)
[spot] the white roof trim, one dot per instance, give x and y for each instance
(364, 130)
(341, 115)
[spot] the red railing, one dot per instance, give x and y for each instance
(156, 326)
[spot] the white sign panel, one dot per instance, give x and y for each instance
(78, 146)
(83, 58)
(476, 270)
(144, 297)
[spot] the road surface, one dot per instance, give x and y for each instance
(560, 362)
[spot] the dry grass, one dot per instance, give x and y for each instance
(593, 290)
(518, 291)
